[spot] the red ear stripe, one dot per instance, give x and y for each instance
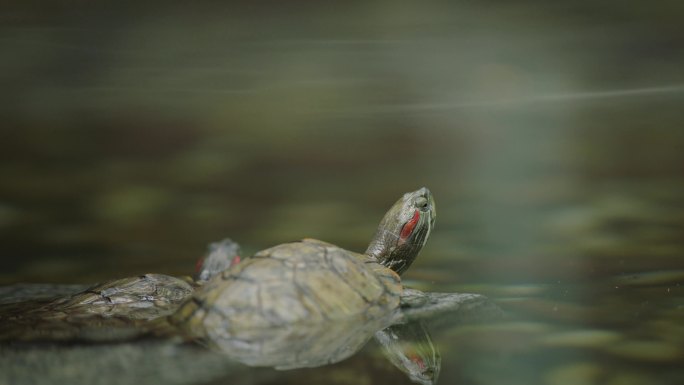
(235, 260)
(418, 361)
(409, 226)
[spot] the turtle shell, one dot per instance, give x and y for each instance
(282, 299)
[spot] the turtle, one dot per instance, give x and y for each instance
(283, 298)
(110, 311)
(298, 304)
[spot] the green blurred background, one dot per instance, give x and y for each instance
(135, 133)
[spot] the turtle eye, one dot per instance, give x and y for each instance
(422, 203)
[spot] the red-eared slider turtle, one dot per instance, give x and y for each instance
(270, 308)
(113, 310)
(298, 304)
(307, 282)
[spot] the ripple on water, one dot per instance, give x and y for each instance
(578, 373)
(495, 337)
(589, 338)
(647, 351)
(651, 278)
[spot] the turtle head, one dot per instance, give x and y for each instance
(404, 230)
(220, 256)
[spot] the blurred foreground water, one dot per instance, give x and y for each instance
(550, 135)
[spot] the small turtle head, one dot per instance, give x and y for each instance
(221, 256)
(404, 230)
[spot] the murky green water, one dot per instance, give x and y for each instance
(550, 135)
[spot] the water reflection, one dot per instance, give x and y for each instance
(293, 346)
(409, 347)
(403, 334)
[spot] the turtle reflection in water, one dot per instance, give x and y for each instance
(300, 304)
